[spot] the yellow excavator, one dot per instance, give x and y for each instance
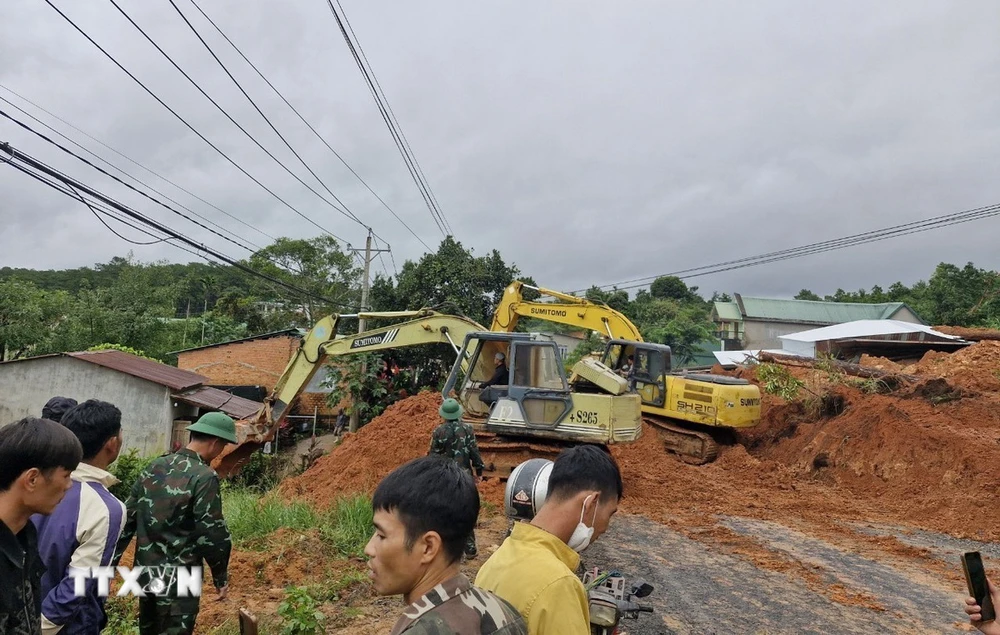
(692, 411)
(535, 415)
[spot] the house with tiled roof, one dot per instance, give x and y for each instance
(157, 401)
(758, 323)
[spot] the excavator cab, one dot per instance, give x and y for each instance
(644, 365)
(537, 394)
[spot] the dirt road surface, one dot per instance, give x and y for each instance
(700, 590)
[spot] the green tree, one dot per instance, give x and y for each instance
(28, 317)
(318, 266)
(671, 288)
(806, 294)
(452, 279)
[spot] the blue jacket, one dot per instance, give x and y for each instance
(81, 532)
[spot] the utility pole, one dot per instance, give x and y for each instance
(362, 322)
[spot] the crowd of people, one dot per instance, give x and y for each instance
(58, 516)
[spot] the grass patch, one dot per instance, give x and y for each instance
(347, 525)
(251, 517)
(123, 616)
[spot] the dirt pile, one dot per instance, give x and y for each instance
(975, 368)
(401, 433)
(923, 454)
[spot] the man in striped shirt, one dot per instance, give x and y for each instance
(84, 528)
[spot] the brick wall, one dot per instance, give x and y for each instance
(251, 363)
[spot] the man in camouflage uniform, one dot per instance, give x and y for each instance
(175, 513)
(456, 440)
(423, 512)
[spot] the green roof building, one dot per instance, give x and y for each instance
(755, 323)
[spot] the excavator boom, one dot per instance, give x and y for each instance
(322, 341)
(689, 410)
(570, 310)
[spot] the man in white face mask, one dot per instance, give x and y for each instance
(534, 567)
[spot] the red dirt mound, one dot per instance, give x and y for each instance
(401, 433)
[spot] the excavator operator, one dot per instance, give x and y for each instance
(496, 386)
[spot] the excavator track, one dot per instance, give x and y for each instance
(502, 454)
(691, 446)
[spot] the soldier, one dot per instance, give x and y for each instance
(423, 512)
(175, 512)
(456, 440)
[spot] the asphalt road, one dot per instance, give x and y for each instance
(698, 590)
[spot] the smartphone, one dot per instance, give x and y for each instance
(975, 576)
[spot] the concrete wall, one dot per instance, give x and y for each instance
(765, 334)
(906, 315)
(147, 410)
(251, 363)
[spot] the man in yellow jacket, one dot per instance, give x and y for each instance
(534, 567)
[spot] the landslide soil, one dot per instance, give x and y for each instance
(922, 456)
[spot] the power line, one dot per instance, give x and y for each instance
(877, 235)
(237, 124)
(346, 211)
(395, 121)
(130, 160)
(188, 125)
(116, 179)
(26, 160)
(307, 124)
(390, 122)
(69, 191)
(140, 182)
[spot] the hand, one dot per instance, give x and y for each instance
(973, 611)
(223, 592)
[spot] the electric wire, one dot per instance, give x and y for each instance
(237, 124)
(306, 122)
(392, 114)
(97, 207)
(27, 160)
(877, 235)
(116, 179)
(130, 160)
(93, 207)
(346, 210)
(188, 125)
(252, 246)
(383, 110)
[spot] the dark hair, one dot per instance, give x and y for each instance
(57, 407)
(39, 443)
(431, 493)
(585, 467)
(93, 422)
(201, 436)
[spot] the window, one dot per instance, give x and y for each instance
(536, 366)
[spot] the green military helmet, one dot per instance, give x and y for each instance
(217, 424)
(450, 410)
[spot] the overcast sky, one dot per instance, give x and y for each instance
(589, 142)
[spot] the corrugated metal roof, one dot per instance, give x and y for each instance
(215, 399)
(728, 311)
(169, 376)
(817, 312)
(864, 329)
(262, 336)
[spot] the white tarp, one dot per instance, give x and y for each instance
(804, 342)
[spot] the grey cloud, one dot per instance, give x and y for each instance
(589, 142)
